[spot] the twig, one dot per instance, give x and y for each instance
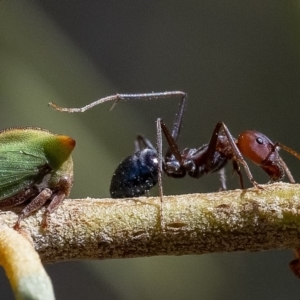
(23, 267)
(249, 220)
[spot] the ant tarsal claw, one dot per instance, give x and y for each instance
(257, 186)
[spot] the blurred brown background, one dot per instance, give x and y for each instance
(239, 62)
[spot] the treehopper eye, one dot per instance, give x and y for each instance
(35, 166)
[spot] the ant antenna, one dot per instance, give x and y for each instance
(289, 150)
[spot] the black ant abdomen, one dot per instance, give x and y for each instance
(137, 173)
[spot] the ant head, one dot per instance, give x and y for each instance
(257, 147)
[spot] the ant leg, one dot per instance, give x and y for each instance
(281, 161)
(141, 143)
(160, 164)
(211, 149)
(287, 170)
(172, 138)
(237, 154)
(173, 147)
(173, 150)
(223, 180)
(159, 156)
(237, 169)
(178, 118)
(285, 167)
(119, 97)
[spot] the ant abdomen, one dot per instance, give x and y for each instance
(135, 175)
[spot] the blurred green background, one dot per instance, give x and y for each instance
(239, 62)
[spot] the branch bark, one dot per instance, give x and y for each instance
(239, 220)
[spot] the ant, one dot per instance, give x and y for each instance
(138, 173)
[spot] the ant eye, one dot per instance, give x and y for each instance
(259, 140)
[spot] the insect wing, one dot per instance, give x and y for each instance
(18, 170)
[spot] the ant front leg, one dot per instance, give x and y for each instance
(285, 167)
(238, 156)
(226, 145)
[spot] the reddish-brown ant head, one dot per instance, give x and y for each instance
(262, 151)
(255, 145)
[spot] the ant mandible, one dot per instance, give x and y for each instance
(138, 173)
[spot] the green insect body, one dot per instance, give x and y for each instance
(35, 165)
